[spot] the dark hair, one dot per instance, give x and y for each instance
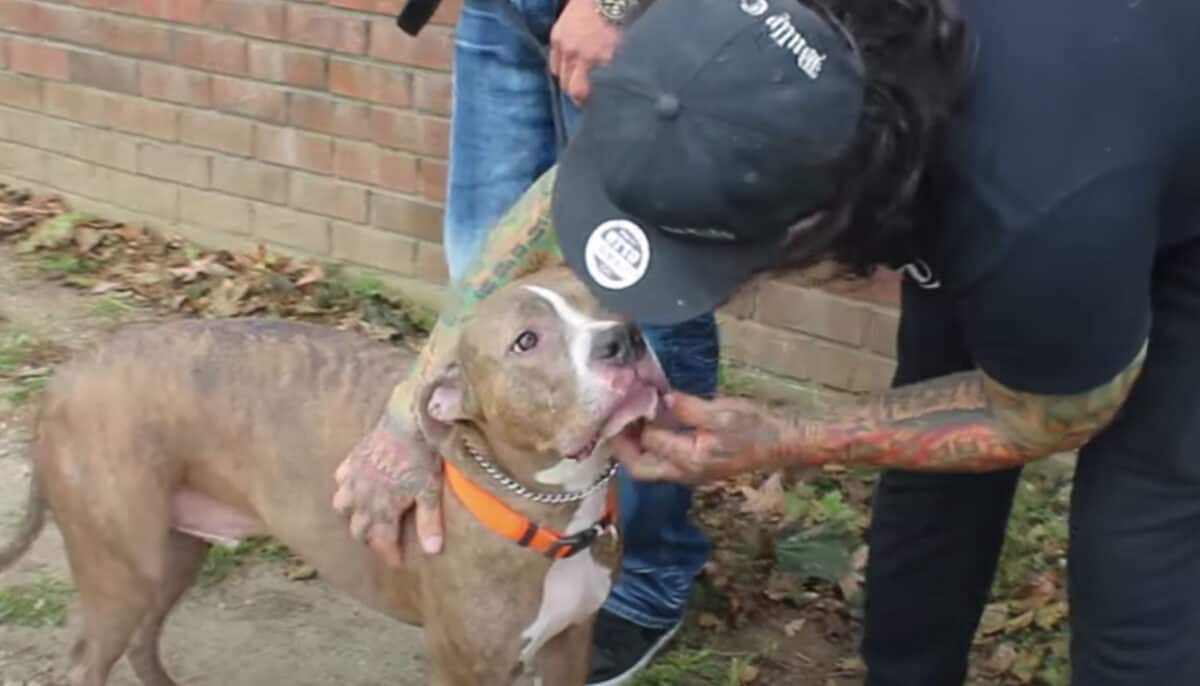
(918, 57)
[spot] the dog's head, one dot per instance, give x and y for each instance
(544, 374)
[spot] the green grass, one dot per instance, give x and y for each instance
(223, 560)
(40, 603)
(18, 352)
(697, 667)
(114, 305)
(66, 264)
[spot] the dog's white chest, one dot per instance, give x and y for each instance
(573, 589)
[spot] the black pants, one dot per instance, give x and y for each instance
(1134, 572)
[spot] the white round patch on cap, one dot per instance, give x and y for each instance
(617, 254)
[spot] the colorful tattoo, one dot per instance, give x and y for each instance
(522, 242)
(960, 422)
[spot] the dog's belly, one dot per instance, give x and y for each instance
(209, 519)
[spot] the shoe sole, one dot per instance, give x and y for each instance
(627, 676)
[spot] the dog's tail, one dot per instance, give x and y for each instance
(30, 527)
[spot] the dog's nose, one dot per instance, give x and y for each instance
(618, 344)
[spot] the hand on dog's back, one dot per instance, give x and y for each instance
(388, 472)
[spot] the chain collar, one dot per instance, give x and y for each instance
(543, 497)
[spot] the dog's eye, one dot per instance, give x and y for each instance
(527, 341)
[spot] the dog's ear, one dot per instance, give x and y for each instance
(448, 400)
(445, 400)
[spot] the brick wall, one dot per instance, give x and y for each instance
(315, 127)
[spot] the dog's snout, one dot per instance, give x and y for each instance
(618, 344)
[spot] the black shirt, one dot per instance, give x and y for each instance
(1065, 223)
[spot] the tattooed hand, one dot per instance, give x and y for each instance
(726, 436)
(389, 471)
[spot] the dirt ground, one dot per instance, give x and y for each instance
(254, 628)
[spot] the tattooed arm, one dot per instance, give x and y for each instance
(961, 422)
(393, 468)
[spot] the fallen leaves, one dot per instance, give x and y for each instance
(106, 257)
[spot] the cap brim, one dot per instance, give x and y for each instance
(683, 277)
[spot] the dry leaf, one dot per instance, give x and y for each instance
(767, 499)
(1019, 622)
(87, 238)
(748, 674)
(1048, 616)
(793, 627)
(708, 620)
(1001, 659)
(311, 275)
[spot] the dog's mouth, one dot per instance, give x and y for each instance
(638, 407)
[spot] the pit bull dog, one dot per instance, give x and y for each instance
(172, 437)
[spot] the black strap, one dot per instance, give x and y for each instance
(415, 15)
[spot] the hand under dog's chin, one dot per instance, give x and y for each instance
(640, 401)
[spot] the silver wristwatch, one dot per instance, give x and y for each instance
(615, 11)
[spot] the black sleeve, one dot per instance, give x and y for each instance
(1069, 307)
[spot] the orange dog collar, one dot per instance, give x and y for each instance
(503, 520)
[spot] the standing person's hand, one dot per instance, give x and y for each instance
(713, 439)
(387, 473)
(580, 40)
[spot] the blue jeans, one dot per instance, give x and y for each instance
(501, 140)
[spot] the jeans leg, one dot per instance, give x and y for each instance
(1134, 569)
(934, 541)
(664, 550)
(501, 131)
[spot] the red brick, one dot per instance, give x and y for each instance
(21, 16)
(185, 11)
(158, 199)
(356, 161)
(393, 128)
(134, 37)
(250, 98)
(3, 52)
(882, 328)
(225, 54)
(293, 148)
(217, 131)
(144, 117)
(68, 24)
(406, 216)
(184, 86)
(77, 103)
(431, 264)
(321, 27)
(250, 179)
(270, 62)
(389, 86)
(250, 17)
(329, 115)
(388, 7)
(104, 72)
(431, 179)
(368, 163)
(433, 136)
(330, 197)
(433, 48)
(38, 58)
(812, 311)
(397, 171)
(374, 248)
(281, 225)
(447, 13)
(174, 163)
(766, 348)
(431, 93)
(215, 211)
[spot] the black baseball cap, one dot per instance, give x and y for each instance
(716, 127)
